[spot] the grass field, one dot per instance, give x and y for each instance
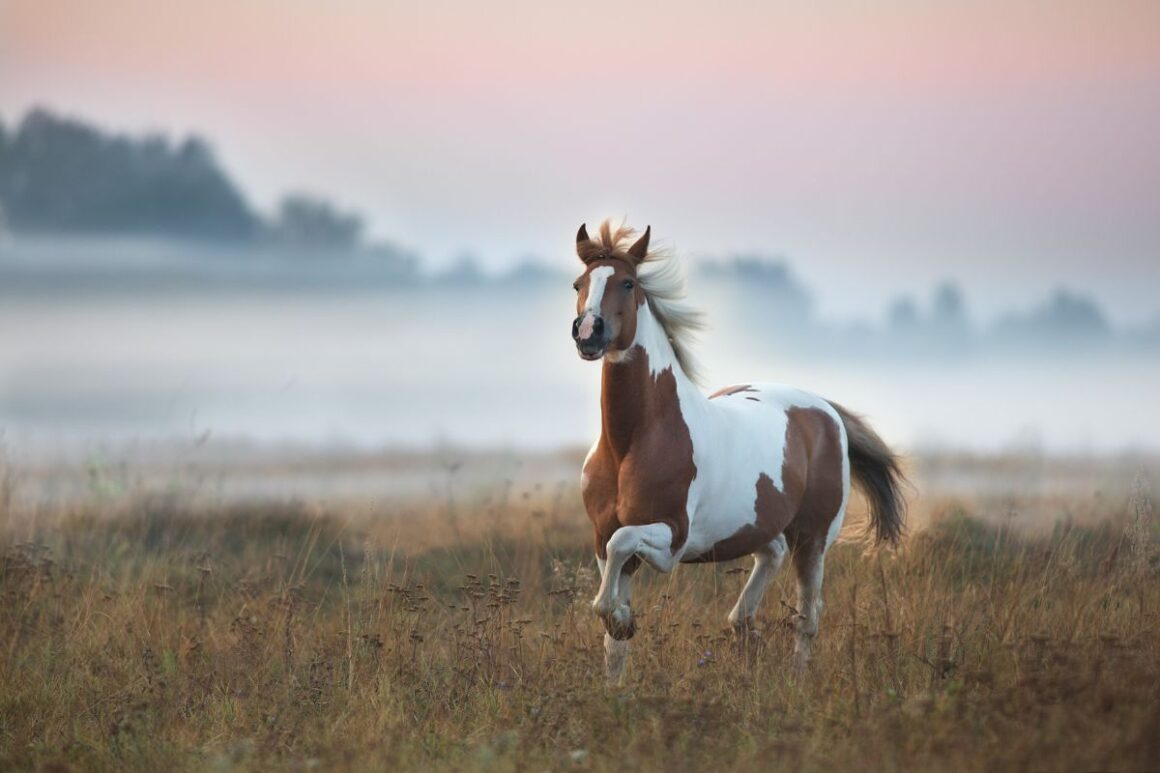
(164, 631)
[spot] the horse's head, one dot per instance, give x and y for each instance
(607, 295)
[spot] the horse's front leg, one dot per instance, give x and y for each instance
(616, 650)
(652, 543)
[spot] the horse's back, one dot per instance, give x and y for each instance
(773, 461)
(772, 396)
(796, 421)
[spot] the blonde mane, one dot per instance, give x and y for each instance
(662, 278)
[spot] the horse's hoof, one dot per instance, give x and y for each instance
(620, 630)
(746, 629)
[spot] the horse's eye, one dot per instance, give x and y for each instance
(629, 284)
(576, 286)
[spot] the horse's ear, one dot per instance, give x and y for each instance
(640, 249)
(584, 246)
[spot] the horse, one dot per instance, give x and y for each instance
(678, 476)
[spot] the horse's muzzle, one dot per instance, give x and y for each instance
(588, 333)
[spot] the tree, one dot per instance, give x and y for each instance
(1065, 319)
(949, 327)
(309, 221)
(464, 271)
(948, 309)
(766, 286)
(903, 315)
(1069, 314)
(63, 175)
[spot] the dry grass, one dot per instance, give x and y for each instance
(154, 634)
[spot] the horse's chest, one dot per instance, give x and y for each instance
(649, 485)
(600, 488)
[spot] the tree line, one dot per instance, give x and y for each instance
(61, 175)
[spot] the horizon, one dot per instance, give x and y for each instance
(183, 346)
(879, 152)
(471, 262)
(39, 262)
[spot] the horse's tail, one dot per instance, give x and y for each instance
(876, 470)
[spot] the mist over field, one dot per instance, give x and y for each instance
(108, 340)
(144, 299)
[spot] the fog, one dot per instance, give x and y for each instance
(111, 343)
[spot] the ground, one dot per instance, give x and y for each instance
(161, 628)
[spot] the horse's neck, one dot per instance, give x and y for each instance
(631, 388)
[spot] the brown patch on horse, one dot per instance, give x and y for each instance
(822, 497)
(642, 467)
(732, 390)
(811, 475)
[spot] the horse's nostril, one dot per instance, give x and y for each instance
(597, 326)
(576, 328)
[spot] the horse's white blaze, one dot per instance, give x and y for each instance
(735, 441)
(597, 282)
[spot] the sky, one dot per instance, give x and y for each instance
(1011, 146)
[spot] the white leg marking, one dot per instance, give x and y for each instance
(766, 564)
(615, 659)
(616, 651)
(602, 567)
(653, 543)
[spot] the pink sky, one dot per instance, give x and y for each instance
(1012, 145)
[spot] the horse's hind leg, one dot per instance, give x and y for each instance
(809, 557)
(766, 563)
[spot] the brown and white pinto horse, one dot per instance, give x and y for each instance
(678, 477)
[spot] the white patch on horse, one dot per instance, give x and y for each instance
(651, 337)
(766, 563)
(585, 479)
(597, 281)
(652, 543)
(836, 524)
